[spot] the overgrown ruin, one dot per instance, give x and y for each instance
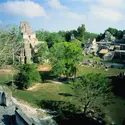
(30, 42)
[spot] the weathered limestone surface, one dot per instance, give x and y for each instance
(109, 36)
(2, 97)
(30, 42)
(5, 96)
(91, 47)
(7, 107)
(15, 113)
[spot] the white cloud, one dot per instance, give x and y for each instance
(108, 10)
(87, 1)
(64, 11)
(23, 8)
(56, 4)
(75, 16)
(106, 13)
(112, 3)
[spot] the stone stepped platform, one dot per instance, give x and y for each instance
(6, 114)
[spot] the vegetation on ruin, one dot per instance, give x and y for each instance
(118, 34)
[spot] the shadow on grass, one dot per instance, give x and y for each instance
(46, 75)
(65, 94)
(68, 114)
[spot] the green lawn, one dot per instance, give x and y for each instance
(111, 71)
(4, 78)
(48, 91)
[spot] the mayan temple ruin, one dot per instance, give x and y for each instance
(29, 40)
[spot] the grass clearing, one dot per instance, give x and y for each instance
(87, 57)
(47, 91)
(4, 78)
(88, 69)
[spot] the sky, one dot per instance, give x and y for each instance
(55, 15)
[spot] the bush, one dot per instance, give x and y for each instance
(27, 75)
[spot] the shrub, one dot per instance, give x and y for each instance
(27, 75)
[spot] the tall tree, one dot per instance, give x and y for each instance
(42, 55)
(113, 31)
(91, 90)
(90, 35)
(10, 42)
(65, 58)
(81, 33)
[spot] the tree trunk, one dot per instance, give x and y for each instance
(75, 73)
(85, 108)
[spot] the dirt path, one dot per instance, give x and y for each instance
(7, 71)
(44, 68)
(55, 81)
(37, 86)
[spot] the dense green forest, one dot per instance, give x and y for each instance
(74, 35)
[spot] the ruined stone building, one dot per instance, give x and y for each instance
(11, 113)
(2, 97)
(29, 42)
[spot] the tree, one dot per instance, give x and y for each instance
(27, 75)
(42, 55)
(81, 33)
(90, 35)
(91, 90)
(113, 31)
(57, 58)
(42, 35)
(50, 37)
(10, 44)
(119, 34)
(65, 58)
(100, 37)
(54, 38)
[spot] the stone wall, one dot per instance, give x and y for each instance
(22, 119)
(5, 98)
(2, 98)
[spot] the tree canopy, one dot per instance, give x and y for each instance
(42, 55)
(27, 75)
(10, 42)
(53, 37)
(91, 90)
(65, 58)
